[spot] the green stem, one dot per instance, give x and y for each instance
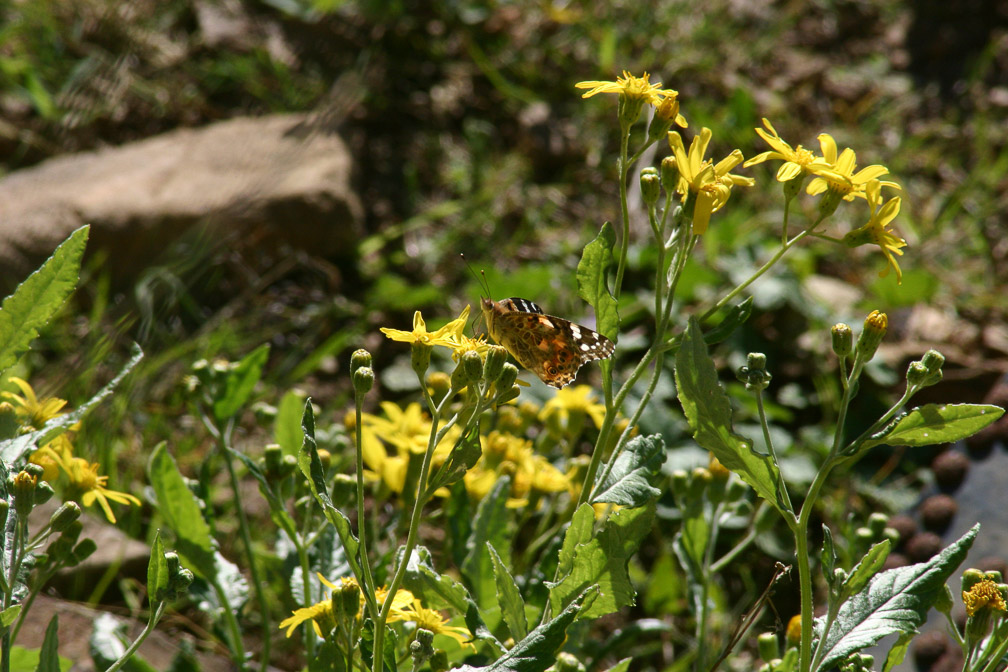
(743, 543)
(369, 584)
(309, 634)
(705, 579)
(128, 653)
(995, 656)
(781, 487)
(246, 535)
(623, 167)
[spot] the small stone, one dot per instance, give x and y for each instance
(950, 469)
(937, 512)
(923, 546)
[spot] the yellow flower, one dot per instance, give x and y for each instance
(709, 183)
(875, 231)
(984, 593)
(508, 454)
(90, 487)
(668, 109)
(447, 335)
(318, 613)
(839, 177)
(797, 162)
(571, 402)
(321, 613)
(29, 408)
(638, 88)
(52, 455)
(431, 619)
(462, 344)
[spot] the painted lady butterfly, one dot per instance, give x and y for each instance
(550, 347)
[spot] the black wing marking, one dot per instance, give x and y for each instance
(526, 306)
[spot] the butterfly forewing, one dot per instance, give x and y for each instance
(551, 347)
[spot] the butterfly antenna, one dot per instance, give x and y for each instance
(482, 284)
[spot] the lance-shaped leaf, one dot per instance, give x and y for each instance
(48, 656)
(602, 561)
(538, 650)
(708, 412)
(593, 283)
(490, 526)
(157, 571)
(463, 457)
(181, 512)
(895, 601)
(936, 423)
(868, 567)
(627, 483)
(37, 299)
(240, 383)
(511, 603)
(311, 467)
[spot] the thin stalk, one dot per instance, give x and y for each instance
(623, 167)
(995, 656)
(744, 542)
(770, 449)
(246, 535)
(128, 653)
(705, 579)
(369, 584)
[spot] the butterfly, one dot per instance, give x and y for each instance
(550, 347)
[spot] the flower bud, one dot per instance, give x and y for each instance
(943, 603)
(359, 358)
(508, 376)
(422, 647)
(363, 380)
(927, 371)
(875, 327)
(4, 508)
(754, 374)
(179, 582)
(568, 662)
(65, 515)
(793, 632)
(83, 550)
(669, 174)
(43, 493)
(843, 339)
(272, 456)
(877, 523)
(472, 363)
(346, 602)
(22, 486)
(496, 356)
(629, 109)
(420, 357)
(768, 646)
(650, 184)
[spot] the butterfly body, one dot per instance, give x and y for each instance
(550, 347)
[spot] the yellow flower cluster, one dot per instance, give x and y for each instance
(449, 336)
(57, 456)
(982, 594)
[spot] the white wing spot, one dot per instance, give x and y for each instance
(585, 347)
(575, 331)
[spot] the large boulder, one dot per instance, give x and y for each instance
(279, 179)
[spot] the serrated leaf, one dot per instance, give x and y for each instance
(439, 590)
(828, 555)
(511, 603)
(37, 299)
(489, 526)
(538, 650)
(287, 424)
(868, 567)
(388, 646)
(593, 283)
(48, 655)
(463, 457)
(240, 382)
(13, 449)
(895, 601)
(578, 532)
(603, 562)
(627, 484)
(157, 570)
(181, 512)
(937, 423)
(708, 412)
(733, 319)
(311, 467)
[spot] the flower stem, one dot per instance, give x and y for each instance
(128, 653)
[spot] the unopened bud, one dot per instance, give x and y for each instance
(875, 327)
(508, 376)
(669, 174)
(363, 380)
(496, 357)
(65, 516)
(650, 184)
(472, 363)
(768, 646)
(83, 550)
(359, 358)
(843, 339)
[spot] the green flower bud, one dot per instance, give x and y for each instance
(439, 661)
(875, 327)
(680, 482)
(346, 602)
(669, 174)
(829, 202)
(179, 583)
(422, 647)
(768, 646)
(22, 485)
(567, 662)
(36, 470)
(4, 507)
(288, 465)
(933, 360)
(700, 478)
(864, 536)
(843, 338)
(43, 493)
(65, 515)
(754, 374)
(363, 379)
(272, 456)
(359, 358)
(917, 375)
(173, 563)
(877, 523)
(60, 550)
(496, 357)
(650, 184)
(472, 364)
(83, 550)
(944, 601)
(508, 377)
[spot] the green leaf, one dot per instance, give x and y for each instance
(602, 561)
(439, 590)
(157, 571)
(708, 412)
(240, 383)
(735, 318)
(898, 651)
(463, 457)
(489, 526)
(621, 666)
(37, 299)
(579, 532)
(593, 283)
(936, 423)
(627, 483)
(13, 449)
(895, 601)
(287, 425)
(48, 656)
(311, 467)
(511, 603)
(868, 567)
(828, 556)
(278, 511)
(538, 650)
(181, 512)
(9, 615)
(388, 646)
